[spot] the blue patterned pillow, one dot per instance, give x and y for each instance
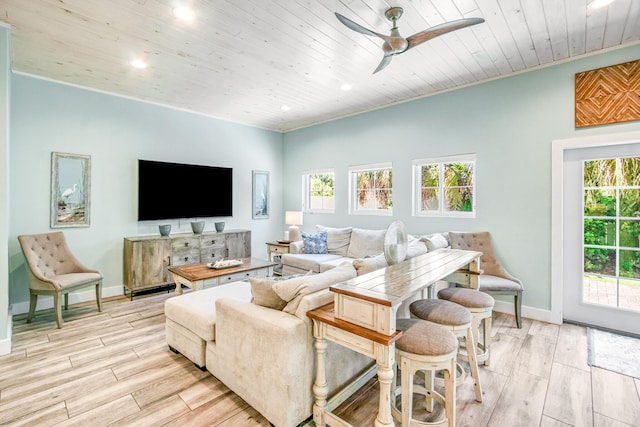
(314, 243)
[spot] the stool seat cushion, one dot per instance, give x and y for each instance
(469, 298)
(441, 312)
(425, 338)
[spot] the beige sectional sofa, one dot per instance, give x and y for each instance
(259, 343)
(350, 244)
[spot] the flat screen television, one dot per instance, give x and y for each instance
(175, 190)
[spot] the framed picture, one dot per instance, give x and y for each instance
(70, 190)
(260, 195)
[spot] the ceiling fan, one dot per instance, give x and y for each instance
(395, 44)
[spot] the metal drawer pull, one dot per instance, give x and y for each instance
(186, 244)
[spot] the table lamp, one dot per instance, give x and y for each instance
(293, 219)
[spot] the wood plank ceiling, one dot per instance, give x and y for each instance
(242, 60)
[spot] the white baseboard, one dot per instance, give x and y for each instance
(5, 344)
(528, 312)
(45, 302)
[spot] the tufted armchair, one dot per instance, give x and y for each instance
(53, 270)
(494, 279)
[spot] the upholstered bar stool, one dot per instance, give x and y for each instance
(458, 320)
(481, 307)
(425, 346)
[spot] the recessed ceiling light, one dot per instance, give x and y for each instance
(285, 108)
(597, 4)
(184, 13)
(138, 63)
(345, 86)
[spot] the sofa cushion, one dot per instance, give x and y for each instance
(307, 262)
(295, 289)
(435, 241)
(365, 243)
(196, 310)
(333, 263)
(337, 239)
(314, 243)
(367, 265)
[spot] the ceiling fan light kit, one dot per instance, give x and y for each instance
(395, 44)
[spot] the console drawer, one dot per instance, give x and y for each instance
(185, 244)
(183, 257)
(212, 254)
(212, 241)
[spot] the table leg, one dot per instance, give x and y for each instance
(320, 387)
(176, 280)
(385, 362)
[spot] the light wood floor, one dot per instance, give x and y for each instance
(114, 368)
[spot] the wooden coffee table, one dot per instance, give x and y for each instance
(200, 276)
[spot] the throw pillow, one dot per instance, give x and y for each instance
(367, 265)
(263, 294)
(294, 290)
(415, 248)
(314, 243)
(365, 243)
(435, 241)
(337, 239)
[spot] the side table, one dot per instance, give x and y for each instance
(274, 251)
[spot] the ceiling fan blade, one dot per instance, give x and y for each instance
(385, 61)
(359, 28)
(438, 30)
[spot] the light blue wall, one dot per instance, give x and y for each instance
(509, 123)
(115, 132)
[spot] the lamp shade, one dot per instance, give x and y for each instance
(293, 218)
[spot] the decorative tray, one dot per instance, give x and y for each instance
(219, 265)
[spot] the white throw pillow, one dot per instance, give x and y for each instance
(337, 239)
(367, 265)
(366, 243)
(294, 290)
(435, 241)
(415, 247)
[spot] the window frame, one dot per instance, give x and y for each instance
(353, 185)
(417, 165)
(306, 189)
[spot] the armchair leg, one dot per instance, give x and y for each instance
(518, 309)
(99, 295)
(33, 300)
(57, 305)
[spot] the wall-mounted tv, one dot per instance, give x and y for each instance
(175, 190)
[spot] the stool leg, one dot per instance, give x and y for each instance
(487, 339)
(450, 393)
(429, 385)
(473, 363)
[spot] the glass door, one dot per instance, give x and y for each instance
(601, 243)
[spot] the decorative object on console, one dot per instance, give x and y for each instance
(260, 195)
(293, 219)
(220, 227)
(70, 190)
(395, 243)
(165, 229)
(220, 264)
(197, 227)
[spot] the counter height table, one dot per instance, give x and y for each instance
(362, 317)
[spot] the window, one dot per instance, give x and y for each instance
(445, 186)
(319, 188)
(370, 189)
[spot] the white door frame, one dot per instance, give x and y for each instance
(558, 148)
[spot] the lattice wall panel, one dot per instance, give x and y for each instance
(608, 95)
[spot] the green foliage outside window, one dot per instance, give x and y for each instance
(612, 217)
